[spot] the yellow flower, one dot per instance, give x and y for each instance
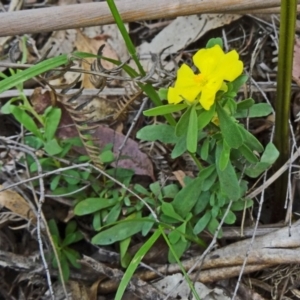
(215, 66)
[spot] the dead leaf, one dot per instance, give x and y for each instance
(180, 175)
(78, 291)
(40, 101)
(296, 62)
(86, 44)
(178, 288)
(137, 161)
(16, 203)
(188, 29)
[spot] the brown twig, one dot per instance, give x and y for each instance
(91, 14)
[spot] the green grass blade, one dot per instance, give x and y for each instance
(134, 264)
(189, 282)
(33, 71)
(130, 47)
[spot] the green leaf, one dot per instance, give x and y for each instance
(52, 147)
(176, 234)
(205, 149)
(162, 132)
(71, 227)
(53, 227)
(229, 129)
(71, 176)
(97, 221)
(163, 93)
(113, 214)
(250, 140)
(155, 188)
(187, 197)
(224, 157)
(179, 248)
(214, 41)
(170, 191)
(72, 238)
(118, 232)
(257, 110)
(72, 257)
(51, 123)
(164, 109)
(241, 204)
(205, 117)
(26, 120)
(192, 133)
(140, 189)
(179, 148)
(206, 172)
(183, 123)
(124, 255)
(245, 104)
(202, 222)
(64, 267)
(270, 154)
(212, 227)
(54, 182)
(227, 177)
(34, 142)
(201, 203)
(248, 154)
(107, 156)
(91, 205)
(209, 181)
(230, 217)
(268, 158)
(238, 82)
(135, 263)
(168, 210)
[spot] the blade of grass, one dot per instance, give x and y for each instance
(187, 278)
(283, 97)
(33, 71)
(134, 264)
(130, 47)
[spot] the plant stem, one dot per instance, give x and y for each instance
(282, 105)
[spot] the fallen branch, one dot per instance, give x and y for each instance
(91, 14)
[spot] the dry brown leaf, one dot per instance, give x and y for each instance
(78, 291)
(296, 62)
(180, 175)
(137, 161)
(86, 44)
(16, 203)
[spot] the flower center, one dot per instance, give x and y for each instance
(200, 80)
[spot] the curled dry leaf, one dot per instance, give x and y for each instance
(85, 44)
(78, 291)
(137, 160)
(16, 203)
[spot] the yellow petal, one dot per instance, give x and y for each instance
(173, 96)
(208, 94)
(230, 67)
(207, 60)
(185, 86)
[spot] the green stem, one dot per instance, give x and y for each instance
(196, 160)
(283, 96)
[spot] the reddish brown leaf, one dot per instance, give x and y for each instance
(137, 161)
